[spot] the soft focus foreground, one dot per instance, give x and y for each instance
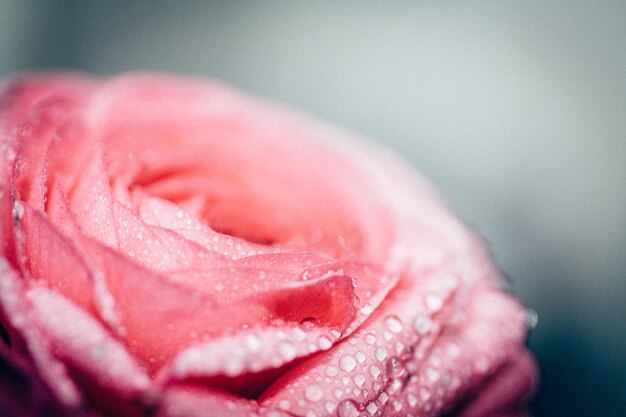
(173, 247)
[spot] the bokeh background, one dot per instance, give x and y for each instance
(516, 110)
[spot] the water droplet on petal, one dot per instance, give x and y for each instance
(360, 357)
(454, 351)
(324, 342)
(395, 368)
(395, 386)
(434, 302)
(371, 408)
(367, 309)
(394, 324)
(375, 371)
(381, 353)
(411, 400)
(18, 211)
(370, 339)
(308, 322)
(313, 393)
(359, 380)
(347, 408)
(284, 404)
(253, 342)
(432, 375)
(532, 318)
(347, 363)
(332, 370)
(287, 351)
(397, 405)
(425, 394)
(422, 325)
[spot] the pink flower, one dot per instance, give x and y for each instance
(173, 248)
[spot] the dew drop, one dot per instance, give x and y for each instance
(313, 393)
(383, 398)
(397, 405)
(324, 343)
(432, 375)
(454, 351)
(394, 324)
(347, 408)
(422, 325)
(395, 368)
(411, 399)
(18, 211)
(367, 309)
(360, 357)
(284, 404)
(375, 371)
(299, 334)
(370, 339)
(395, 386)
(287, 351)
(253, 342)
(331, 370)
(359, 380)
(371, 408)
(381, 353)
(308, 322)
(532, 318)
(425, 394)
(347, 363)
(434, 302)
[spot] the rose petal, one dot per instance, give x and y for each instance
(397, 359)
(157, 248)
(190, 401)
(91, 200)
(146, 301)
(293, 198)
(508, 390)
(23, 394)
(53, 259)
(162, 213)
(106, 370)
(17, 309)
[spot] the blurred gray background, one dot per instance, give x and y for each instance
(516, 110)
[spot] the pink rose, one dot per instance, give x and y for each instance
(173, 248)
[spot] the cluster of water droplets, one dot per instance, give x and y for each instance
(385, 369)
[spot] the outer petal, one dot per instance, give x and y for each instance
(410, 357)
(108, 373)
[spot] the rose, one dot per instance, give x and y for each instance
(173, 248)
